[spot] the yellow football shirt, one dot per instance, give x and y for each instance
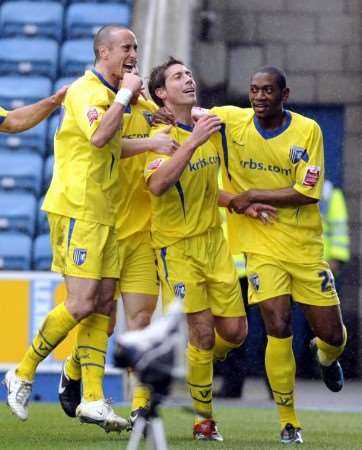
(3, 114)
(189, 208)
(134, 211)
(254, 158)
(85, 181)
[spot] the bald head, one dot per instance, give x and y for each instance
(105, 38)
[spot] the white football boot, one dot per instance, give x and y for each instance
(19, 392)
(101, 413)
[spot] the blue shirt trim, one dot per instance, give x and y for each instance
(104, 81)
(266, 134)
(184, 126)
(2, 118)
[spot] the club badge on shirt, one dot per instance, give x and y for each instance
(92, 115)
(155, 164)
(179, 290)
(311, 176)
(79, 256)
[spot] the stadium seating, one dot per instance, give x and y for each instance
(17, 212)
(15, 251)
(75, 56)
(42, 253)
(31, 56)
(63, 81)
(84, 20)
(128, 2)
(42, 224)
(48, 171)
(32, 19)
(20, 171)
(17, 90)
(33, 140)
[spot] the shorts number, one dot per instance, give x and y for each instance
(327, 283)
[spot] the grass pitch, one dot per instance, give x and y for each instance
(243, 429)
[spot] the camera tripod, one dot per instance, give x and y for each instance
(149, 425)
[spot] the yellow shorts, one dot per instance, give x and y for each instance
(137, 259)
(83, 249)
(200, 270)
(311, 284)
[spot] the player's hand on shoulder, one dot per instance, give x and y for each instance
(266, 213)
(204, 128)
(163, 116)
(59, 96)
(163, 143)
(132, 82)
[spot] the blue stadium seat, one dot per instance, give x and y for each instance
(83, 20)
(42, 225)
(15, 251)
(21, 171)
(20, 90)
(17, 212)
(62, 82)
(128, 2)
(42, 253)
(63, 2)
(76, 56)
(33, 140)
(32, 19)
(29, 56)
(48, 172)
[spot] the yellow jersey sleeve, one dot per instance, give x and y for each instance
(3, 114)
(225, 113)
(310, 171)
(88, 108)
(154, 160)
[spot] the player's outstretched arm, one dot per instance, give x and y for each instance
(26, 117)
(112, 120)
(286, 197)
(170, 171)
(160, 143)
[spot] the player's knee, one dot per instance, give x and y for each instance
(80, 307)
(236, 333)
(278, 327)
(204, 339)
(141, 320)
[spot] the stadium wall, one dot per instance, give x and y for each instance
(318, 44)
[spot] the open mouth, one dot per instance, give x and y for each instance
(128, 67)
(260, 106)
(189, 91)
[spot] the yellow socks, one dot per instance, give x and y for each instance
(327, 353)
(280, 368)
(92, 340)
(72, 364)
(222, 347)
(56, 326)
(199, 379)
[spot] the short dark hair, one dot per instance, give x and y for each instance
(278, 73)
(158, 78)
(103, 37)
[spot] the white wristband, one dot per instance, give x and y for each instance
(123, 96)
